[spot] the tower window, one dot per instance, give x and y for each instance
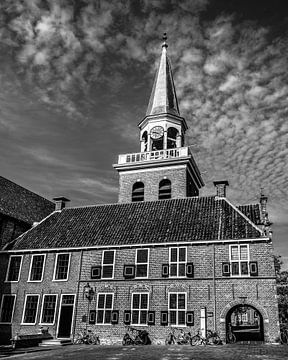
(172, 134)
(145, 141)
(165, 189)
(138, 192)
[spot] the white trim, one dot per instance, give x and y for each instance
(148, 256)
(113, 265)
(156, 168)
(30, 268)
(24, 309)
(140, 309)
(239, 260)
(177, 262)
(59, 313)
(163, 244)
(8, 269)
(12, 314)
(240, 213)
(55, 266)
(177, 309)
(104, 309)
(43, 298)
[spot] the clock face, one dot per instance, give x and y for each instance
(157, 132)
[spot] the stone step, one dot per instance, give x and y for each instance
(56, 342)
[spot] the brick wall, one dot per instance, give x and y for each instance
(258, 291)
(151, 179)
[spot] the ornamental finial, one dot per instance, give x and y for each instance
(164, 40)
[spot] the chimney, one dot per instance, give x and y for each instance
(221, 187)
(60, 202)
(263, 204)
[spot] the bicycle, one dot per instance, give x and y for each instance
(87, 337)
(284, 334)
(182, 338)
(213, 338)
(135, 336)
(171, 338)
(230, 337)
(198, 339)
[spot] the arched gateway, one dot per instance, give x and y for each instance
(247, 321)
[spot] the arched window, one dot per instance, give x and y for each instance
(145, 141)
(172, 134)
(165, 189)
(138, 192)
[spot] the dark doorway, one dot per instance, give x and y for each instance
(66, 316)
(246, 322)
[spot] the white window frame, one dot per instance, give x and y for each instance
(177, 262)
(177, 309)
(103, 265)
(8, 269)
(42, 306)
(239, 260)
(104, 309)
(24, 308)
(43, 267)
(55, 266)
(132, 309)
(12, 314)
(146, 263)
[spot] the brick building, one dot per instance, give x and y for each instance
(162, 256)
(19, 209)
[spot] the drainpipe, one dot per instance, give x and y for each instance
(77, 294)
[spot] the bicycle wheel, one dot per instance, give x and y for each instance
(283, 337)
(231, 338)
(216, 340)
(78, 341)
(195, 340)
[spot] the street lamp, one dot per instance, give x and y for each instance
(89, 293)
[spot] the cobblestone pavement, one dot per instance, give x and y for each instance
(156, 352)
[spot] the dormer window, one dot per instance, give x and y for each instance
(138, 191)
(172, 134)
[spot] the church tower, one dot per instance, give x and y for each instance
(165, 167)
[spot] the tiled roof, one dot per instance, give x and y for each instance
(22, 204)
(252, 211)
(166, 221)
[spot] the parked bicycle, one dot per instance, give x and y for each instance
(182, 338)
(198, 339)
(87, 337)
(230, 336)
(213, 338)
(284, 333)
(135, 336)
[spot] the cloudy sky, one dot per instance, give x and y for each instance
(76, 76)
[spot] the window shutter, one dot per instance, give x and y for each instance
(253, 268)
(96, 272)
(165, 270)
(164, 318)
(190, 270)
(115, 317)
(92, 316)
(151, 318)
(190, 318)
(127, 317)
(226, 269)
(129, 271)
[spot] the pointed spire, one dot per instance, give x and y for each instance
(163, 98)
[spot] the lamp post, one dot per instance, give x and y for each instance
(89, 293)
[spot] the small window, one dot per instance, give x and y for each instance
(7, 308)
(138, 192)
(164, 189)
(172, 134)
(92, 316)
(115, 317)
(190, 270)
(30, 309)
(178, 260)
(165, 270)
(36, 268)
(139, 307)
(14, 268)
(190, 318)
(225, 269)
(151, 318)
(145, 141)
(127, 317)
(177, 308)
(253, 268)
(129, 271)
(142, 263)
(95, 272)
(108, 259)
(104, 308)
(48, 309)
(62, 267)
(164, 318)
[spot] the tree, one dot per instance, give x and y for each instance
(282, 289)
